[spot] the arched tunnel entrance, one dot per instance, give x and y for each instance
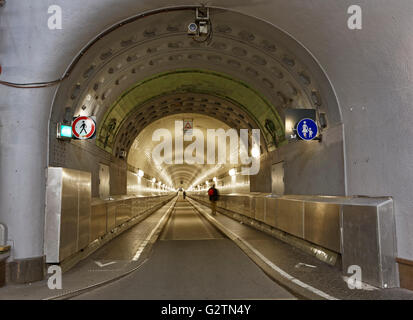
(246, 76)
(147, 75)
(157, 94)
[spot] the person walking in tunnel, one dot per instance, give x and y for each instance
(184, 194)
(213, 198)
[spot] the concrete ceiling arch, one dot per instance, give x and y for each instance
(140, 155)
(243, 48)
(244, 101)
(205, 104)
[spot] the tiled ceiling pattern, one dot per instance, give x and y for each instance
(140, 153)
(218, 108)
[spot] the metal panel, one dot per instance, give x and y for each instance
(67, 225)
(259, 208)
(322, 224)
(242, 205)
(111, 218)
(72, 223)
(248, 207)
(84, 199)
(270, 211)
(98, 221)
(361, 228)
(3, 235)
(223, 202)
(277, 178)
(235, 204)
(128, 205)
(360, 242)
(133, 184)
(53, 214)
(137, 207)
(388, 245)
(123, 212)
(290, 217)
(104, 181)
(69, 214)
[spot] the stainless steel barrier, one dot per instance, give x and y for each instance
(4, 253)
(74, 220)
(99, 219)
(3, 235)
(67, 221)
(361, 229)
(109, 214)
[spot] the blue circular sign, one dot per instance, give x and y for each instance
(192, 27)
(307, 129)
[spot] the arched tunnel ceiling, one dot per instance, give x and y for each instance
(143, 64)
(244, 100)
(140, 154)
(242, 48)
(222, 109)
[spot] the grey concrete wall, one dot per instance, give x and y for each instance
(23, 163)
(313, 168)
(370, 70)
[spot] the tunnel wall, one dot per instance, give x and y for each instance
(84, 155)
(237, 184)
(142, 186)
(313, 168)
(370, 70)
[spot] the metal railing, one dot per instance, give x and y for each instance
(361, 229)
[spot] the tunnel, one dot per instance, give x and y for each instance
(177, 112)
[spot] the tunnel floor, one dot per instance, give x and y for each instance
(193, 260)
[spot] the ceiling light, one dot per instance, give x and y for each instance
(255, 152)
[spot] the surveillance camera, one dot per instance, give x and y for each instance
(122, 154)
(192, 28)
(202, 14)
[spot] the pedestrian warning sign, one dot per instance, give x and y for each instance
(188, 126)
(84, 127)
